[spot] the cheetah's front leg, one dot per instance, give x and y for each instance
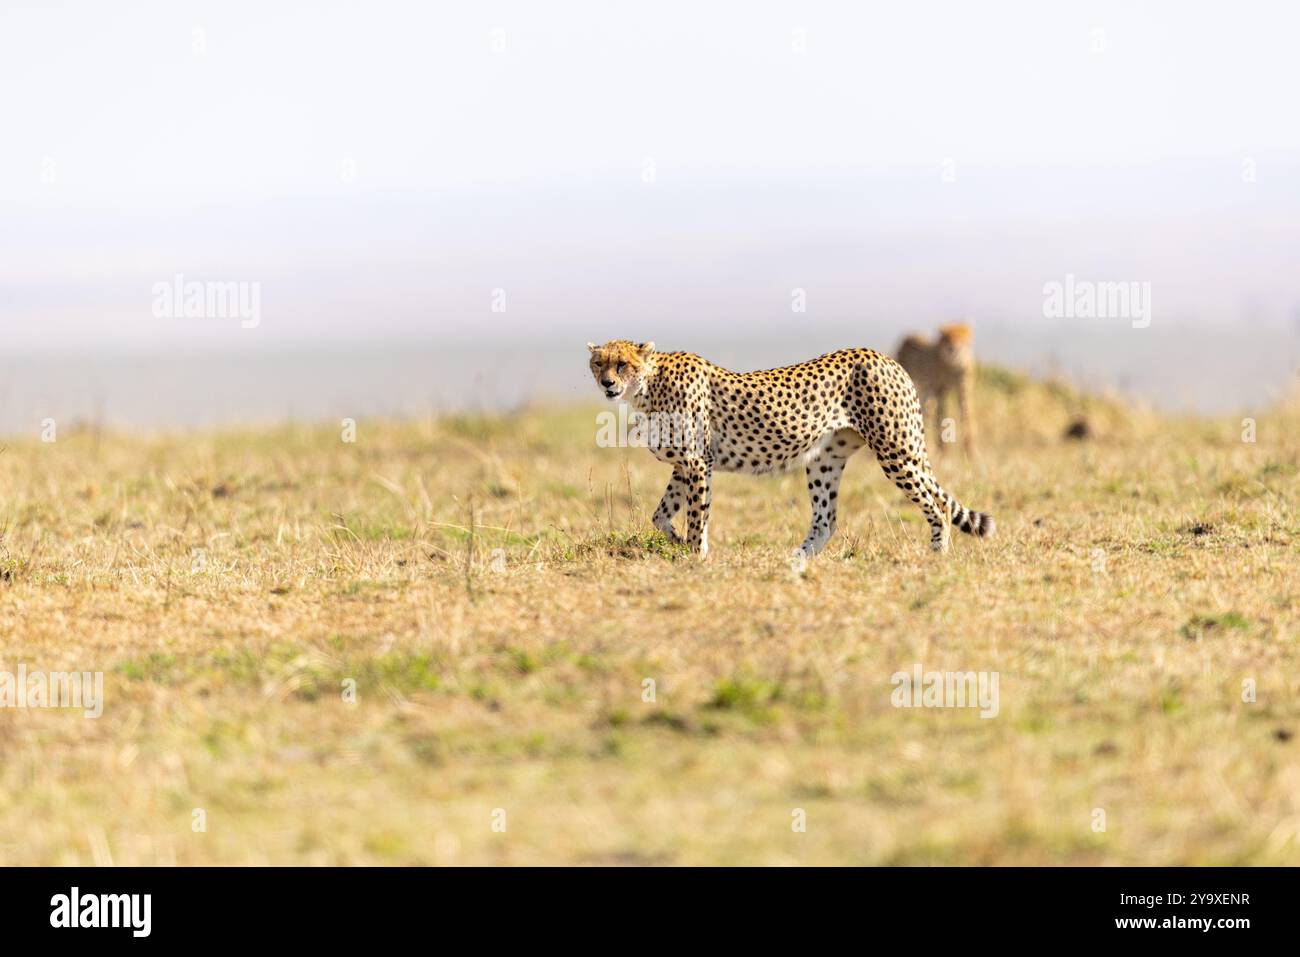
(698, 477)
(669, 506)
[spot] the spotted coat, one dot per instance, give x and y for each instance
(815, 414)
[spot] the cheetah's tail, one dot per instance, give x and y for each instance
(979, 524)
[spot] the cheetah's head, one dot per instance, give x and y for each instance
(621, 367)
(955, 345)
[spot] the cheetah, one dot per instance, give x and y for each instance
(815, 414)
(942, 367)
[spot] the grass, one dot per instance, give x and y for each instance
(374, 652)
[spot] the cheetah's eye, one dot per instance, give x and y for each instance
(622, 367)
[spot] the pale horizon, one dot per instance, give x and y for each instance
(486, 179)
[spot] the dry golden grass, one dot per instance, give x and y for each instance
(229, 585)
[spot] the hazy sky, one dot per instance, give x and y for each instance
(380, 168)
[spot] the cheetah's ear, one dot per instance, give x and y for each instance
(645, 348)
(592, 347)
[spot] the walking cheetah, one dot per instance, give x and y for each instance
(940, 367)
(815, 414)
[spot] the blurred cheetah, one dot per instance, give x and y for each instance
(940, 367)
(815, 414)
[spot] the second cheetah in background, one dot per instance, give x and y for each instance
(939, 369)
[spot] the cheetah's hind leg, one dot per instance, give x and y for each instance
(825, 467)
(940, 507)
(912, 474)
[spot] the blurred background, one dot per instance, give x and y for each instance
(439, 204)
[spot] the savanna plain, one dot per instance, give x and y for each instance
(459, 641)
